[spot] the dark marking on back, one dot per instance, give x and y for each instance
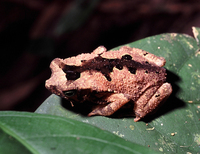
(157, 95)
(105, 66)
(118, 66)
(132, 70)
(146, 53)
(70, 75)
(126, 57)
(108, 77)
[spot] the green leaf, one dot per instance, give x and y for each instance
(175, 126)
(23, 132)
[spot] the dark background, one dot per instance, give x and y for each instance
(33, 32)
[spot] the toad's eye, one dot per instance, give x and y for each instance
(69, 93)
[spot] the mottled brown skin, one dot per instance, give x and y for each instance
(112, 79)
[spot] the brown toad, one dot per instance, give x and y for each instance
(112, 79)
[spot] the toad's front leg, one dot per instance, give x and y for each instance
(148, 103)
(116, 101)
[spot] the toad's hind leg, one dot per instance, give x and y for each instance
(148, 103)
(116, 101)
